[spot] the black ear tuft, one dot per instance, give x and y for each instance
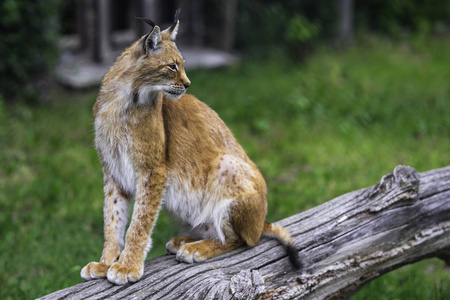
(172, 31)
(177, 15)
(175, 20)
(148, 21)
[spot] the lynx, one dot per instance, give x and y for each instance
(163, 147)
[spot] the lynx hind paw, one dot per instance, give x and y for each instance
(94, 270)
(191, 253)
(171, 248)
(175, 243)
(120, 274)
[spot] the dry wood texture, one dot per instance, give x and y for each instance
(343, 243)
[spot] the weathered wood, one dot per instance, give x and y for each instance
(343, 243)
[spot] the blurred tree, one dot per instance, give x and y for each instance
(264, 25)
(345, 9)
(28, 33)
(299, 34)
(402, 17)
(229, 24)
(267, 24)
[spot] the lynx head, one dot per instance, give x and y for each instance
(159, 62)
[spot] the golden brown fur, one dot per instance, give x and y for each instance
(159, 145)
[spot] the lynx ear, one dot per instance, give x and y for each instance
(172, 31)
(152, 39)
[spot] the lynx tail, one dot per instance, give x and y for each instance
(280, 233)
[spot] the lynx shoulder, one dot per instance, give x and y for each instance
(165, 148)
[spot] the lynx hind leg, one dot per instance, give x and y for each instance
(245, 184)
(243, 224)
(247, 218)
(116, 207)
(175, 243)
(238, 209)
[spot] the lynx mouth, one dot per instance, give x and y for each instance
(173, 94)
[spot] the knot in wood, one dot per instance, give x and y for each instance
(407, 177)
(402, 185)
(247, 285)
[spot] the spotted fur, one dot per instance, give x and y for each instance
(163, 147)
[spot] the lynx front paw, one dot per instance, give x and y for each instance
(191, 253)
(120, 274)
(94, 270)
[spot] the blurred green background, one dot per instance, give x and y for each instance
(322, 114)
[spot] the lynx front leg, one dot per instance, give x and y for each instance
(130, 265)
(115, 214)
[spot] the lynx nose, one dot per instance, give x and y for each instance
(187, 84)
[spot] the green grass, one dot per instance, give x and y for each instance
(335, 124)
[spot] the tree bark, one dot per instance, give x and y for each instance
(345, 34)
(102, 46)
(229, 25)
(343, 244)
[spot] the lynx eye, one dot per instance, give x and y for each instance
(172, 67)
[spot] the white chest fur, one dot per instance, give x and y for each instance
(113, 145)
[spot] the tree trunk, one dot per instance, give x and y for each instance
(146, 9)
(343, 243)
(102, 46)
(229, 25)
(345, 35)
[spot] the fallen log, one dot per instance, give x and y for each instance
(343, 243)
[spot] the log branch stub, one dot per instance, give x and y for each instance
(343, 243)
(396, 188)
